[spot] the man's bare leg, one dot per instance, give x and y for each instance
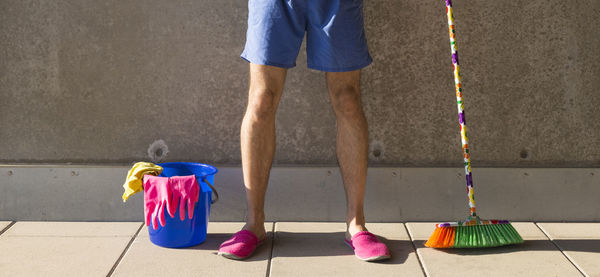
(257, 138)
(351, 143)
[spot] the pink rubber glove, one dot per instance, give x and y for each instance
(186, 190)
(157, 194)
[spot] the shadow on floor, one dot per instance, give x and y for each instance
(297, 244)
(580, 245)
(213, 241)
(327, 244)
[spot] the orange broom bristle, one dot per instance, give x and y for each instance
(442, 237)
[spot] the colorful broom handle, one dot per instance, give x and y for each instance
(461, 111)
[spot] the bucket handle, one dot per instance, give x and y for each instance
(213, 189)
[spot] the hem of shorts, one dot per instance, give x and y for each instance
(343, 69)
(268, 63)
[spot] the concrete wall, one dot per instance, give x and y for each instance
(97, 82)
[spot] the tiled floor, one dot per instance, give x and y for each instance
(295, 249)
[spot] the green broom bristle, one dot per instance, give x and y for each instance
(492, 235)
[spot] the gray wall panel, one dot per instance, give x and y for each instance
(93, 193)
(99, 81)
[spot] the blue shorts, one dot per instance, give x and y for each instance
(335, 35)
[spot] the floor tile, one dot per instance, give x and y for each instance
(146, 259)
(318, 249)
(536, 257)
(72, 229)
(63, 249)
(579, 241)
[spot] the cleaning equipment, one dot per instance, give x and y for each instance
(133, 182)
(170, 193)
(473, 232)
(179, 185)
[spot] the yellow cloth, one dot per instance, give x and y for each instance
(133, 183)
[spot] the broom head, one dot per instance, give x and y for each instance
(474, 233)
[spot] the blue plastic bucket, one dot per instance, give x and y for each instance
(189, 232)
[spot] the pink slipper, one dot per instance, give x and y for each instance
(367, 247)
(240, 246)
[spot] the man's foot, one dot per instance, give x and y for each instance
(258, 230)
(241, 245)
(352, 229)
(367, 247)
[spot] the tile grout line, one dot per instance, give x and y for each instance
(421, 263)
(268, 273)
(114, 267)
(7, 227)
(560, 249)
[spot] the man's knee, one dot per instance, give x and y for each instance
(346, 100)
(262, 103)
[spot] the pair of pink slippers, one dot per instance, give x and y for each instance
(366, 246)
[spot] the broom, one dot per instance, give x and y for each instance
(473, 232)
